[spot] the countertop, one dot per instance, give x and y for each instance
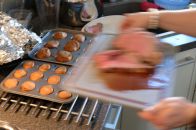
(181, 41)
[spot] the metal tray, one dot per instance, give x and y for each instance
(49, 36)
(35, 92)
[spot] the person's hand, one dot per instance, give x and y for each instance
(170, 113)
(135, 20)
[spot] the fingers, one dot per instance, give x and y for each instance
(169, 113)
(135, 20)
(126, 24)
(146, 115)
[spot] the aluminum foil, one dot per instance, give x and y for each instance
(4, 18)
(8, 51)
(14, 38)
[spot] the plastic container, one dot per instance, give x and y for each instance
(173, 4)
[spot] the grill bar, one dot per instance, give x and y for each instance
(92, 113)
(47, 108)
(8, 99)
(3, 95)
(71, 108)
(36, 108)
(58, 111)
(82, 109)
(26, 105)
(16, 103)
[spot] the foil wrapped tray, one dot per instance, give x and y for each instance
(15, 40)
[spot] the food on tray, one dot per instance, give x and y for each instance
(10, 83)
(72, 45)
(118, 69)
(132, 63)
(119, 61)
(44, 67)
(142, 44)
(59, 35)
(27, 86)
(95, 29)
(38, 81)
(64, 94)
(63, 56)
(43, 53)
(46, 90)
(20, 73)
(54, 79)
(52, 44)
(28, 64)
(79, 37)
(61, 70)
(37, 75)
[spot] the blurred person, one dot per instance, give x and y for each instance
(171, 112)
(180, 21)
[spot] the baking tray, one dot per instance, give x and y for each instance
(35, 92)
(49, 36)
(85, 79)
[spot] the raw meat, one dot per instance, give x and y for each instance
(141, 43)
(95, 29)
(119, 61)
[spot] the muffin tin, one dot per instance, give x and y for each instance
(49, 36)
(41, 82)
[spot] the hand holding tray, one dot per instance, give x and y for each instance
(87, 81)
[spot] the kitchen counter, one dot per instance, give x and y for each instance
(180, 41)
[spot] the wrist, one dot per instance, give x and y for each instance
(153, 20)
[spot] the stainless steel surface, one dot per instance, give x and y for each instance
(93, 110)
(113, 117)
(181, 42)
(71, 108)
(82, 109)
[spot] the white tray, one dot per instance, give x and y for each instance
(85, 81)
